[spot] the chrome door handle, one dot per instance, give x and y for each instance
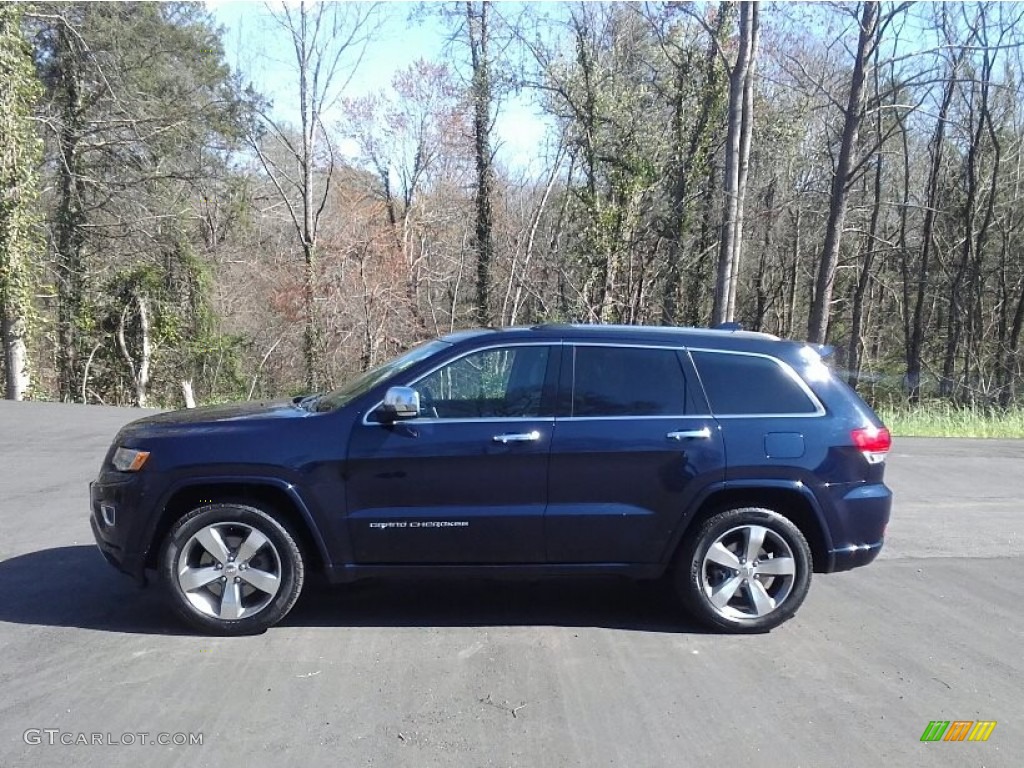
(690, 434)
(517, 437)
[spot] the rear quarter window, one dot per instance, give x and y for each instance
(739, 384)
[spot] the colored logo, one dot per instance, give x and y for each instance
(958, 730)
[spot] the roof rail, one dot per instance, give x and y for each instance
(550, 326)
(729, 327)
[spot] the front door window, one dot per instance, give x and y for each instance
(500, 383)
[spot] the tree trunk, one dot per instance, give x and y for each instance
(746, 129)
(311, 335)
(853, 358)
(16, 376)
(309, 117)
(145, 352)
(187, 394)
(70, 219)
(974, 236)
(901, 238)
(860, 292)
(700, 273)
(731, 234)
(140, 372)
(19, 157)
(1008, 394)
(976, 337)
(915, 342)
(761, 289)
(793, 273)
(817, 327)
(476, 17)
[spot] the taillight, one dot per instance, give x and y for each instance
(873, 442)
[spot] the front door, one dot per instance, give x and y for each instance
(633, 444)
(466, 482)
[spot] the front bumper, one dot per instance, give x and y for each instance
(115, 503)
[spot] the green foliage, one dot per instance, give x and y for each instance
(186, 343)
(942, 419)
(146, 117)
(641, 104)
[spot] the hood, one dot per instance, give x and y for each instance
(218, 414)
(234, 433)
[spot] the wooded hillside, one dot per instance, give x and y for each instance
(848, 173)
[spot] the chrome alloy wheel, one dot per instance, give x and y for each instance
(229, 571)
(747, 572)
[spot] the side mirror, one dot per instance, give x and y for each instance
(401, 403)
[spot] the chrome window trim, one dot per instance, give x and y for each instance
(481, 419)
(819, 409)
(672, 347)
(636, 418)
(477, 420)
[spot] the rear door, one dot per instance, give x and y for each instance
(466, 483)
(634, 443)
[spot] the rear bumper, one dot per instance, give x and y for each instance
(861, 517)
(855, 556)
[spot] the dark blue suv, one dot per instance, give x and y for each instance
(734, 463)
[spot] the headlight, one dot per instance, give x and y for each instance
(129, 459)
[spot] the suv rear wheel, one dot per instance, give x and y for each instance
(746, 570)
(231, 569)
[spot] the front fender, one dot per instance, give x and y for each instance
(158, 522)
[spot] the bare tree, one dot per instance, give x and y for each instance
(916, 287)
(409, 140)
(328, 40)
(867, 40)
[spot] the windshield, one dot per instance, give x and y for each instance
(371, 378)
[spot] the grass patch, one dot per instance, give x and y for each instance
(947, 420)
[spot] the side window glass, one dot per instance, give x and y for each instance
(628, 381)
(493, 383)
(744, 384)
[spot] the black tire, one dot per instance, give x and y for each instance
(696, 575)
(266, 570)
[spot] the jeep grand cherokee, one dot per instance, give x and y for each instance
(733, 463)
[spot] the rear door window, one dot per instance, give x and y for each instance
(627, 381)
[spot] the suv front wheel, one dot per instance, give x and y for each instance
(231, 569)
(746, 570)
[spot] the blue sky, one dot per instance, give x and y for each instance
(410, 31)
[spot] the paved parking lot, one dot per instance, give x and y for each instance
(590, 672)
